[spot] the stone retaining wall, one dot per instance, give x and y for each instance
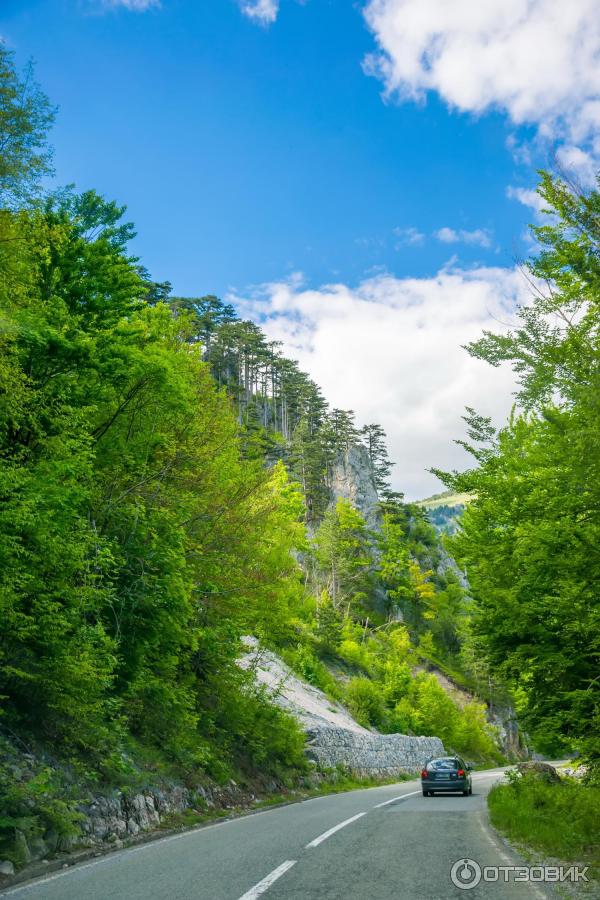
(369, 754)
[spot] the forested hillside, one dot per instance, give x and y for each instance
(445, 510)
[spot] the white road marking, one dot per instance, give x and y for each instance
(268, 880)
(323, 837)
(504, 856)
(393, 800)
(118, 855)
(43, 880)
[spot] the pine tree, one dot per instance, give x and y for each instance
(374, 439)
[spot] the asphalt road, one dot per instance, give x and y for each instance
(376, 844)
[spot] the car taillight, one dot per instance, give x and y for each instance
(424, 773)
(461, 773)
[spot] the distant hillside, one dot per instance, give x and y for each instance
(444, 510)
(447, 498)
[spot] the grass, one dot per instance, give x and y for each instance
(560, 820)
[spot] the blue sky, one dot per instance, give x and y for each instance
(245, 153)
(262, 157)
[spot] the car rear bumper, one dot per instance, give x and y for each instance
(456, 786)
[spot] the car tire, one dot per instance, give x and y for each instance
(426, 793)
(466, 793)
(470, 790)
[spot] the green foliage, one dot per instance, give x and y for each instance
(424, 707)
(561, 820)
(397, 678)
(373, 437)
(365, 701)
(434, 712)
(250, 732)
(344, 558)
(420, 582)
(303, 661)
(327, 624)
(33, 808)
(473, 735)
(354, 654)
(446, 519)
(529, 540)
(25, 117)
(136, 542)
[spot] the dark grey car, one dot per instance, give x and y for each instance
(446, 775)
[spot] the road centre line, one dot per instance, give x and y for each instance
(323, 837)
(268, 880)
(393, 800)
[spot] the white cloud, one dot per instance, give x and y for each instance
(408, 236)
(527, 197)
(391, 350)
(262, 11)
(541, 215)
(480, 236)
(537, 60)
(577, 163)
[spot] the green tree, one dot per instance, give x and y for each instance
(344, 557)
(530, 539)
(25, 117)
(374, 439)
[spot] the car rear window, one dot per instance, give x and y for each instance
(436, 764)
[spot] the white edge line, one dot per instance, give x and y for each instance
(323, 837)
(268, 880)
(117, 855)
(394, 799)
(35, 883)
(504, 856)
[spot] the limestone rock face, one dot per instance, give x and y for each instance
(119, 816)
(352, 479)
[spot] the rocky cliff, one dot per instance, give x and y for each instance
(352, 479)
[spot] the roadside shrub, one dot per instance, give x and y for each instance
(559, 819)
(435, 711)
(402, 717)
(257, 734)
